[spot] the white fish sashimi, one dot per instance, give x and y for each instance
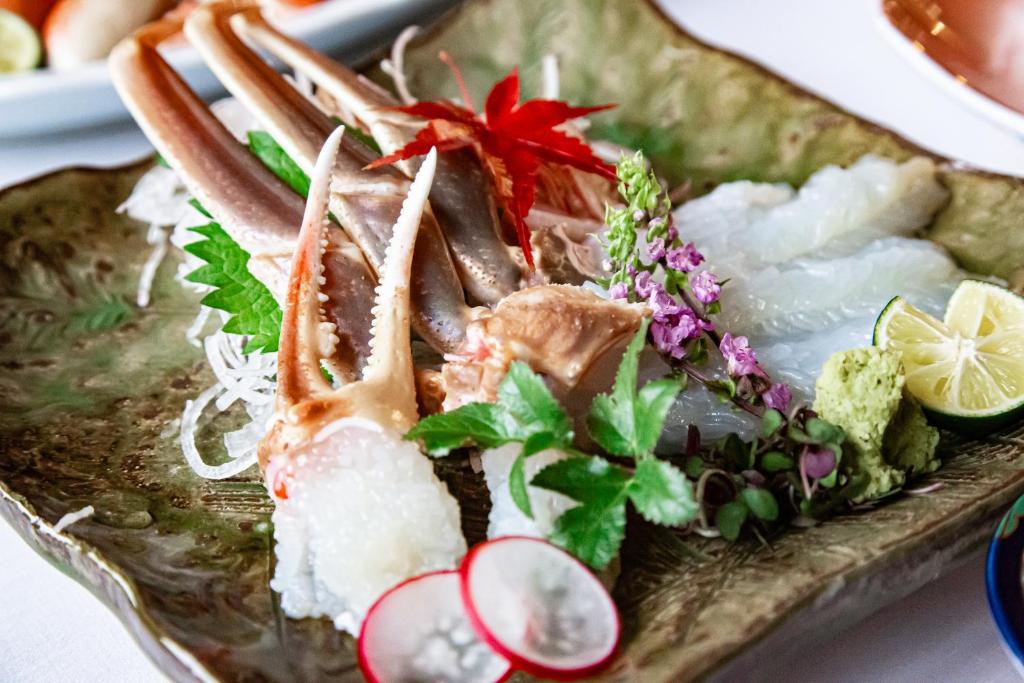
(841, 209)
(807, 295)
(810, 271)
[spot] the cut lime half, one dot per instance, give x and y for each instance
(968, 370)
(20, 49)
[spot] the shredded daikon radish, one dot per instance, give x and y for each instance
(395, 67)
(161, 200)
(157, 236)
(551, 85)
(240, 377)
(72, 517)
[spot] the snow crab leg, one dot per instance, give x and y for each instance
(358, 509)
(259, 211)
(365, 202)
(461, 197)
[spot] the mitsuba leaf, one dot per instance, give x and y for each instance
(593, 533)
(627, 422)
(484, 424)
(517, 485)
(661, 493)
(254, 311)
(523, 394)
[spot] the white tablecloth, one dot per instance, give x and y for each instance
(53, 630)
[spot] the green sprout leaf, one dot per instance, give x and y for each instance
(770, 422)
(762, 503)
(824, 432)
(254, 311)
(730, 518)
(776, 461)
(662, 494)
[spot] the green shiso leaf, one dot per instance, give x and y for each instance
(254, 311)
(277, 160)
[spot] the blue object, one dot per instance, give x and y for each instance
(1005, 582)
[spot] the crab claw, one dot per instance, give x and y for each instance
(258, 210)
(461, 197)
(358, 509)
(366, 203)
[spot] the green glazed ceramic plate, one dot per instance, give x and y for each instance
(90, 382)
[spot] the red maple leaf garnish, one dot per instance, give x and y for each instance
(511, 138)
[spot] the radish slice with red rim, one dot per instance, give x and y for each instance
(539, 607)
(418, 631)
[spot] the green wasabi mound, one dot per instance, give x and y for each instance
(887, 436)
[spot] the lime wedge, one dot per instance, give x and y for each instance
(20, 49)
(968, 370)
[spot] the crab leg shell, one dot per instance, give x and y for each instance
(461, 196)
(367, 203)
(386, 394)
(218, 171)
(258, 210)
(298, 360)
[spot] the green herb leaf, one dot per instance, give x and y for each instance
(762, 503)
(626, 422)
(661, 493)
(485, 424)
(776, 461)
(523, 394)
(254, 311)
(593, 533)
(517, 485)
(273, 156)
(585, 478)
(594, 530)
(730, 518)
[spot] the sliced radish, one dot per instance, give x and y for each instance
(418, 631)
(539, 607)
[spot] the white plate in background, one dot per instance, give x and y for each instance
(964, 94)
(45, 101)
